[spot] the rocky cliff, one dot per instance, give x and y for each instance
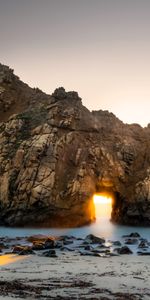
(55, 154)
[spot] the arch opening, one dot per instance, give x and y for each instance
(103, 203)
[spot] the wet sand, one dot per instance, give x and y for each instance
(71, 276)
(9, 258)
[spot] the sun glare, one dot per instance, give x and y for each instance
(103, 205)
(102, 199)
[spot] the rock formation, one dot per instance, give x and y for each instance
(55, 154)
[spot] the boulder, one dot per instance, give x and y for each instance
(131, 241)
(91, 238)
(143, 253)
(143, 244)
(89, 253)
(134, 235)
(26, 252)
(88, 248)
(124, 250)
(117, 243)
(22, 250)
(49, 243)
(38, 246)
(39, 238)
(49, 253)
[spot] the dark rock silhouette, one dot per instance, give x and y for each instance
(55, 154)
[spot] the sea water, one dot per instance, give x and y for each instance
(102, 227)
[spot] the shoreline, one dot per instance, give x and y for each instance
(71, 276)
(69, 268)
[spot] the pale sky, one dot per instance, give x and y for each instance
(100, 48)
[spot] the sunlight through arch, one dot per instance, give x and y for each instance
(103, 205)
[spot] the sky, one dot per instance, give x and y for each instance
(99, 48)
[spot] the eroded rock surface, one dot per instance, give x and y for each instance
(55, 154)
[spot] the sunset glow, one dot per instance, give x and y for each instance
(102, 61)
(10, 258)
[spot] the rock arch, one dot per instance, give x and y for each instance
(55, 154)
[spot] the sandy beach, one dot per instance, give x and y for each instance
(72, 276)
